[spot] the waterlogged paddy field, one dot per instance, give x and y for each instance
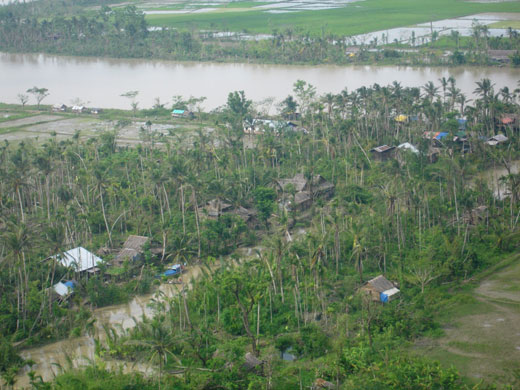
(41, 127)
(482, 330)
(345, 17)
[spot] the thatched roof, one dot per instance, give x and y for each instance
(380, 284)
(135, 242)
(251, 361)
(132, 248)
(302, 184)
(302, 197)
(299, 181)
(323, 384)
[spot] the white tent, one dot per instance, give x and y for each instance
(79, 258)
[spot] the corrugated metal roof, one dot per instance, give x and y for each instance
(80, 258)
(382, 148)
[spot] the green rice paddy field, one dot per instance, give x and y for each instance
(351, 19)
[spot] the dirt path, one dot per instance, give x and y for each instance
(482, 336)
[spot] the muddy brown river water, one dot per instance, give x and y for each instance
(49, 360)
(100, 82)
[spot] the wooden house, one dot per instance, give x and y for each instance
(305, 190)
(132, 250)
(59, 108)
(380, 289)
(215, 208)
(78, 109)
(383, 152)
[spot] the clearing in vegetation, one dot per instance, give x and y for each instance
(482, 329)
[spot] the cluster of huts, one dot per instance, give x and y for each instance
(261, 126)
(76, 109)
(84, 262)
(439, 139)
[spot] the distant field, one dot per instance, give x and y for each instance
(482, 330)
(351, 19)
(515, 24)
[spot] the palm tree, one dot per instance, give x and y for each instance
(159, 344)
(431, 91)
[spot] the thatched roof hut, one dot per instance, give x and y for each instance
(380, 289)
(132, 249)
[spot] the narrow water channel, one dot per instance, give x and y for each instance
(49, 360)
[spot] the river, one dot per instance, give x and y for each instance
(100, 82)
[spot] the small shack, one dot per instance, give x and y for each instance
(401, 118)
(63, 290)
(215, 208)
(383, 152)
(80, 259)
(304, 190)
(178, 113)
(59, 108)
(497, 139)
(132, 249)
(78, 109)
(252, 362)
(380, 289)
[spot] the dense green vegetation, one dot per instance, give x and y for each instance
(407, 218)
(295, 38)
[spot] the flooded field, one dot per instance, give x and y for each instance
(49, 360)
(422, 33)
(495, 178)
(43, 127)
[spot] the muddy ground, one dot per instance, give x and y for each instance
(42, 127)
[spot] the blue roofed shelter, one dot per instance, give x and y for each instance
(380, 289)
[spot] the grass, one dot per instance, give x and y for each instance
(352, 19)
(14, 116)
(515, 24)
(481, 327)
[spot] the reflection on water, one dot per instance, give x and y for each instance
(495, 179)
(100, 82)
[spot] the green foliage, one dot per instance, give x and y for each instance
(265, 202)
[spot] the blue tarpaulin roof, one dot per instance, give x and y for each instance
(441, 135)
(70, 284)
